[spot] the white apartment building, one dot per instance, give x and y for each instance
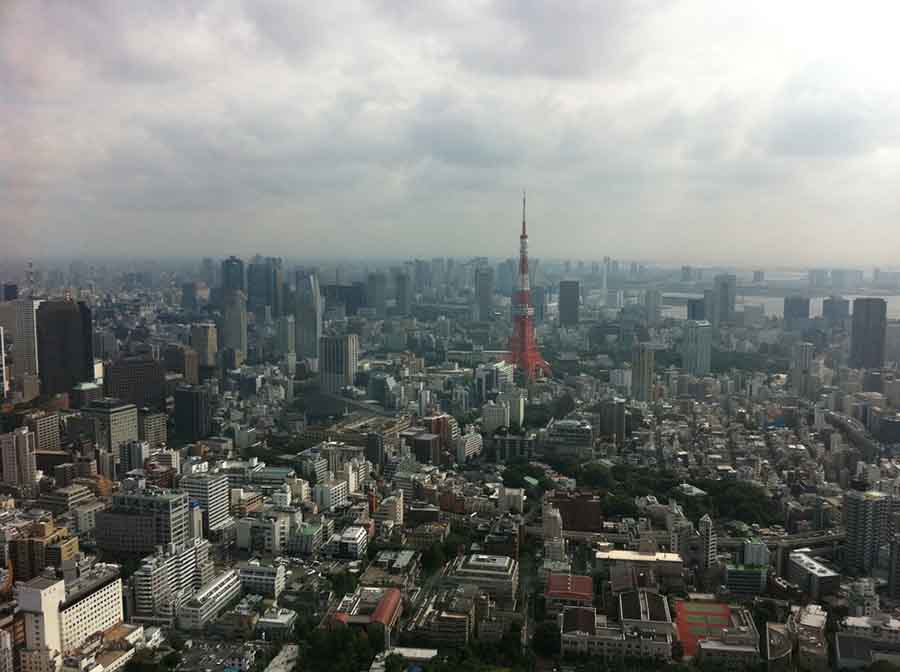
(167, 579)
(331, 495)
(210, 601)
(259, 579)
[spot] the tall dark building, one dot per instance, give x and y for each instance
(836, 309)
(484, 293)
(138, 380)
(376, 293)
(796, 312)
(65, 345)
(10, 291)
(233, 275)
(192, 421)
(402, 292)
(539, 301)
(569, 298)
(189, 297)
(265, 285)
(375, 450)
(867, 338)
(696, 309)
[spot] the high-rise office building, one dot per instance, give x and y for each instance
(569, 300)
(376, 293)
(65, 345)
(265, 286)
(696, 348)
(233, 278)
(10, 291)
(403, 292)
(308, 318)
(484, 293)
(153, 427)
(801, 367)
(866, 518)
(867, 338)
(340, 360)
(132, 455)
(189, 297)
(285, 335)
(116, 422)
(17, 456)
(4, 374)
(184, 360)
(25, 337)
(211, 492)
(234, 327)
(835, 309)
(192, 412)
(652, 305)
(45, 425)
(725, 288)
(204, 339)
(709, 540)
(539, 302)
(796, 312)
(711, 308)
(642, 372)
(140, 520)
(169, 578)
(696, 310)
(137, 380)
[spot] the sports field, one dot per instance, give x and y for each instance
(699, 620)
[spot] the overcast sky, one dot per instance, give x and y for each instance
(734, 132)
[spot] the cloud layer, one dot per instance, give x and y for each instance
(659, 130)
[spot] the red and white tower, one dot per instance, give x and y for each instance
(523, 351)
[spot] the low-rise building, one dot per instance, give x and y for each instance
(568, 590)
(260, 579)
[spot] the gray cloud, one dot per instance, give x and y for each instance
(653, 130)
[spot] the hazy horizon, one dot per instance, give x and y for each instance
(669, 132)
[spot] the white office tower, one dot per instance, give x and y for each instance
(494, 416)
(26, 353)
(696, 348)
(285, 336)
(308, 310)
(4, 376)
(867, 519)
(17, 455)
(515, 400)
(709, 540)
(235, 323)
(39, 601)
(210, 491)
(339, 362)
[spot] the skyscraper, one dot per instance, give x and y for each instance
(697, 347)
(376, 293)
(265, 286)
(835, 309)
(569, 300)
(867, 338)
(866, 519)
(4, 377)
(652, 304)
(65, 345)
(725, 288)
(308, 318)
(17, 456)
(25, 337)
(233, 279)
(696, 310)
(192, 412)
(285, 335)
(210, 491)
(801, 367)
(138, 380)
(642, 372)
(796, 312)
(340, 360)
(403, 292)
(709, 539)
(204, 339)
(484, 293)
(234, 331)
(116, 422)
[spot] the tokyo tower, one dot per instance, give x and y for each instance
(523, 351)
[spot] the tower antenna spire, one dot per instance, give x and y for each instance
(523, 213)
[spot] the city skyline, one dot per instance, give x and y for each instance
(657, 132)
